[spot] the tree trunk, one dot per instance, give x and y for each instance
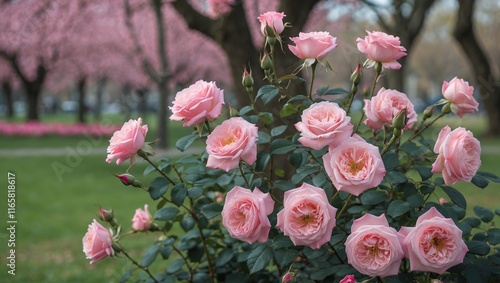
(82, 107)
(9, 102)
(490, 92)
(101, 83)
(127, 109)
(143, 102)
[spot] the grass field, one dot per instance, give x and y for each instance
(54, 207)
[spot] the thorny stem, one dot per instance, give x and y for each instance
(313, 68)
(211, 270)
(243, 175)
(158, 169)
(140, 266)
(378, 70)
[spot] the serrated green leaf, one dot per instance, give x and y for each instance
(276, 131)
(397, 208)
(158, 187)
(211, 210)
(480, 181)
(185, 142)
(178, 194)
(484, 214)
(455, 196)
(263, 137)
(285, 256)
(373, 197)
(167, 213)
(267, 93)
(259, 258)
(150, 256)
(224, 257)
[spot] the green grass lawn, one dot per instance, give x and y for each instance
(54, 207)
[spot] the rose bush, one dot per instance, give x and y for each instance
(304, 192)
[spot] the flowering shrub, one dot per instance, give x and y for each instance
(37, 129)
(308, 193)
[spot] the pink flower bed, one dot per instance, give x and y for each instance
(37, 129)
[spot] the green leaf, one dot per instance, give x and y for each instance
(288, 110)
(150, 256)
(281, 146)
(285, 256)
(395, 177)
(175, 266)
(484, 214)
(126, 276)
(263, 137)
(322, 90)
(336, 91)
(480, 181)
(266, 117)
(397, 208)
(373, 197)
(424, 172)
(477, 247)
(473, 221)
(211, 210)
(158, 187)
(276, 131)
(259, 258)
(167, 213)
(245, 110)
(263, 159)
(489, 176)
(178, 194)
(415, 200)
(187, 222)
(185, 142)
(455, 196)
(391, 161)
(224, 257)
(494, 236)
(281, 241)
(194, 192)
(267, 93)
(148, 170)
(319, 180)
(320, 274)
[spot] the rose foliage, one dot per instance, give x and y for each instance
(305, 191)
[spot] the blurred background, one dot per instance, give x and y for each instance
(71, 72)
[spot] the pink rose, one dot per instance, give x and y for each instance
(231, 141)
(322, 124)
(348, 279)
(245, 214)
(461, 96)
(373, 247)
(272, 19)
(202, 100)
(142, 219)
(381, 47)
(354, 166)
(312, 46)
(97, 242)
(307, 216)
(459, 155)
(434, 244)
(125, 143)
(384, 106)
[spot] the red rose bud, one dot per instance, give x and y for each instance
(129, 180)
(106, 215)
(247, 79)
(356, 76)
(265, 62)
(289, 277)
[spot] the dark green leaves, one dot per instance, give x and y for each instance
(185, 142)
(455, 196)
(398, 208)
(267, 93)
(484, 214)
(158, 187)
(166, 213)
(150, 256)
(259, 258)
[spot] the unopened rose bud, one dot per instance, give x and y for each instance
(233, 112)
(348, 279)
(106, 215)
(399, 122)
(428, 112)
(356, 76)
(271, 40)
(378, 67)
(117, 248)
(265, 62)
(129, 180)
(219, 197)
(247, 79)
(289, 277)
(446, 108)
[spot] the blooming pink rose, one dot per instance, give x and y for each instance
(384, 106)
(125, 143)
(381, 47)
(142, 219)
(348, 279)
(354, 166)
(324, 123)
(312, 46)
(202, 100)
(272, 19)
(245, 214)
(307, 216)
(97, 242)
(233, 139)
(459, 155)
(373, 247)
(434, 244)
(461, 96)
